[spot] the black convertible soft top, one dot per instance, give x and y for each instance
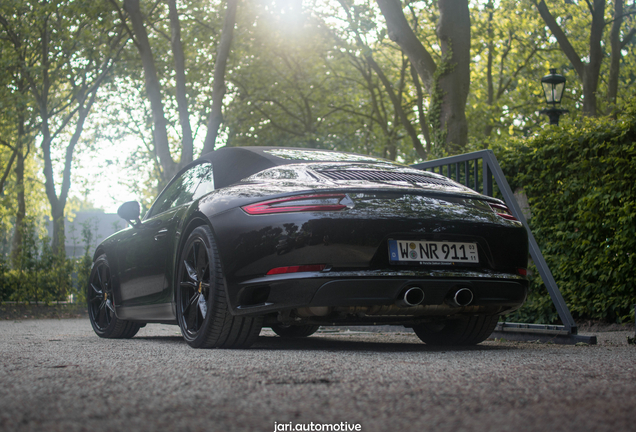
(232, 164)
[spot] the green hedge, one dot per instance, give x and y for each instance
(580, 180)
(40, 276)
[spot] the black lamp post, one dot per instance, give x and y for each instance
(553, 86)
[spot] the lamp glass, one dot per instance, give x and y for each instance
(548, 90)
(558, 91)
(553, 86)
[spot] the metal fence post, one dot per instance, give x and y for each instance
(490, 168)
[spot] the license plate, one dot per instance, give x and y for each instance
(432, 252)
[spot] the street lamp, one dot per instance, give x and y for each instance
(553, 86)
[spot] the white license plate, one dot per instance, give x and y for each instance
(432, 252)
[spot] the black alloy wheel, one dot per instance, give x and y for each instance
(202, 310)
(194, 294)
(101, 306)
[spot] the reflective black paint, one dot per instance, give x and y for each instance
(351, 242)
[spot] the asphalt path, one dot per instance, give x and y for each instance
(56, 375)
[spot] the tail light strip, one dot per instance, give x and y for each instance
(303, 203)
(297, 269)
(502, 211)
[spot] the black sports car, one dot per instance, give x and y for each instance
(294, 239)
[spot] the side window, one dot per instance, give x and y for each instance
(181, 190)
(206, 185)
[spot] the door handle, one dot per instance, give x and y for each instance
(161, 233)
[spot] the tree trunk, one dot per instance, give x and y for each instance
(448, 86)
(7, 170)
(58, 241)
(153, 89)
(453, 30)
(218, 90)
(593, 68)
(43, 105)
(400, 32)
(49, 182)
(18, 229)
(615, 59)
(182, 99)
(491, 89)
(420, 109)
(390, 151)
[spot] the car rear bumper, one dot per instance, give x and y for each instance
(492, 293)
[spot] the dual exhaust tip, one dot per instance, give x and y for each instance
(414, 296)
(461, 297)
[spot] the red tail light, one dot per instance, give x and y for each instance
(303, 203)
(502, 211)
(522, 272)
(296, 269)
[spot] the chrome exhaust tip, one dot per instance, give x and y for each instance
(411, 297)
(462, 297)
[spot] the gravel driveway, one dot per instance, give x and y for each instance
(56, 375)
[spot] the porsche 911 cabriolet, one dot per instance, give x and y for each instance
(294, 239)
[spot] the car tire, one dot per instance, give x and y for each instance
(203, 312)
(294, 331)
(463, 331)
(101, 307)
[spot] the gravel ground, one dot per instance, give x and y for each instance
(56, 375)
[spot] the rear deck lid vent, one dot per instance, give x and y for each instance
(372, 175)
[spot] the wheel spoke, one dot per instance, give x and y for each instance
(104, 276)
(188, 284)
(206, 270)
(202, 261)
(192, 274)
(191, 302)
(99, 276)
(191, 313)
(110, 306)
(97, 290)
(202, 306)
(101, 319)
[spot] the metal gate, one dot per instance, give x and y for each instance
(466, 169)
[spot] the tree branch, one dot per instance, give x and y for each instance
(182, 99)
(561, 38)
(8, 168)
(218, 90)
(122, 17)
(615, 54)
(401, 33)
(153, 88)
(628, 37)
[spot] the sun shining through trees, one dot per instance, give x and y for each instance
(319, 73)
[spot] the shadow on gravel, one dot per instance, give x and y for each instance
(336, 344)
(163, 339)
(322, 343)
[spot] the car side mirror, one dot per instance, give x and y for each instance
(129, 211)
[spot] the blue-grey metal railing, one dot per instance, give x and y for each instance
(465, 169)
